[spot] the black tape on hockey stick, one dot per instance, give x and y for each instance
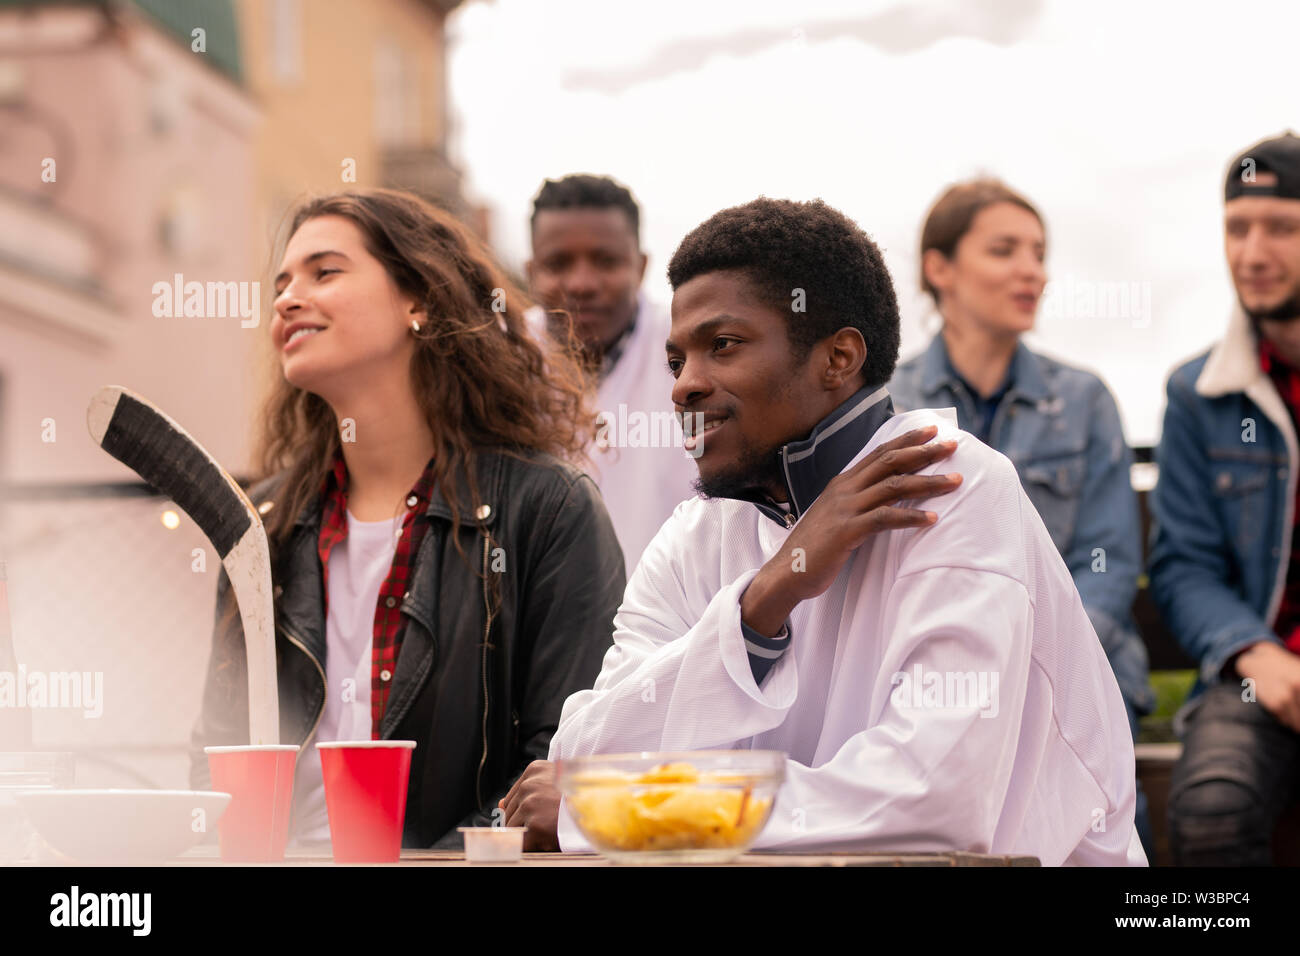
(152, 446)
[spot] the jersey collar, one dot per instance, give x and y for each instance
(807, 466)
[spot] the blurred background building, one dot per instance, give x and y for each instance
(141, 142)
(349, 93)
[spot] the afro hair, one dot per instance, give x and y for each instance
(782, 246)
(584, 191)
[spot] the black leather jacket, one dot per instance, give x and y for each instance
(491, 649)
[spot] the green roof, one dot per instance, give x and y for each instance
(179, 18)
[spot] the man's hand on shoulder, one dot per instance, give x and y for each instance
(855, 505)
(534, 802)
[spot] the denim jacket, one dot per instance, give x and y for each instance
(1061, 429)
(1223, 507)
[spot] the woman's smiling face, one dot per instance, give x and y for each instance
(329, 281)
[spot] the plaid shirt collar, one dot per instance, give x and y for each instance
(335, 486)
(1284, 376)
(388, 620)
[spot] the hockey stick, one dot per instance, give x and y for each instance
(138, 434)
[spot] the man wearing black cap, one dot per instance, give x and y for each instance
(1225, 563)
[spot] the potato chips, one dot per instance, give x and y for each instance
(670, 807)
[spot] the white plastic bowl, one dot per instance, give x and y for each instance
(122, 826)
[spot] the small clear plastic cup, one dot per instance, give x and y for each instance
(493, 844)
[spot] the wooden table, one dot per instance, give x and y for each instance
(208, 856)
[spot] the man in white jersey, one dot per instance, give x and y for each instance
(587, 265)
(936, 687)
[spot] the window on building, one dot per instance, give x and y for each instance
(397, 103)
(286, 40)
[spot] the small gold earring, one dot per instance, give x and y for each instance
(415, 326)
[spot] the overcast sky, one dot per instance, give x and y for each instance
(1117, 119)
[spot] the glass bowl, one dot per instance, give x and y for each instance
(701, 806)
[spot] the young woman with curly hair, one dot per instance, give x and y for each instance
(443, 570)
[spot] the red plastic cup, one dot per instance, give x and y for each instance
(365, 795)
(259, 779)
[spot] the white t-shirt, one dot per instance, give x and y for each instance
(358, 566)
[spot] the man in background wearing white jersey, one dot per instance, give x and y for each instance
(937, 687)
(587, 266)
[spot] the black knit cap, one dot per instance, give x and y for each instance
(1279, 156)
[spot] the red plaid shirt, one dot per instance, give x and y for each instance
(389, 623)
(1287, 380)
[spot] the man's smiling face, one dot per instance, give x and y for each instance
(736, 372)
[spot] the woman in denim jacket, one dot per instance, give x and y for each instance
(982, 251)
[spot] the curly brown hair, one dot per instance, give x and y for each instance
(481, 379)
